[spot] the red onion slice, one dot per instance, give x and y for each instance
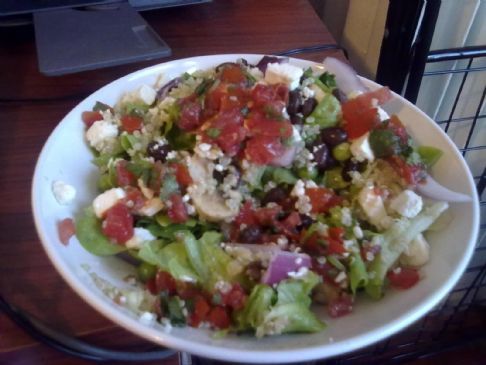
(283, 263)
(164, 90)
(433, 190)
(346, 78)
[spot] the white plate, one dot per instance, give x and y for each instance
(66, 157)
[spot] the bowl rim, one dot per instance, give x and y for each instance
(324, 350)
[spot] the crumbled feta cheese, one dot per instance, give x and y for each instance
(147, 94)
(106, 200)
(140, 235)
(307, 93)
(208, 151)
(407, 204)
(147, 318)
(299, 273)
(283, 73)
(223, 287)
(382, 114)
(321, 260)
(369, 256)
(361, 150)
(372, 205)
(340, 277)
(322, 228)
(298, 260)
(102, 135)
(348, 244)
(346, 218)
(358, 232)
(318, 92)
(282, 242)
(298, 189)
(397, 270)
(64, 193)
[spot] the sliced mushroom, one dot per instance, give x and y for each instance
(207, 200)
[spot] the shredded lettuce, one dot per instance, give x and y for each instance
(327, 113)
(395, 240)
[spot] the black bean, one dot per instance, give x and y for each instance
(251, 234)
(338, 94)
(158, 151)
(295, 100)
(333, 136)
(308, 106)
(349, 166)
(275, 195)
(219, 175)
(305, 222)
(321, 154)
(296, 119)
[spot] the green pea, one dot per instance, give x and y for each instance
(342, 152)
(333, 179)
(307, 173)
(145, 271)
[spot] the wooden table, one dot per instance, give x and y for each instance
(31, 105)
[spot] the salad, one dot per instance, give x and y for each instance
(249, 195)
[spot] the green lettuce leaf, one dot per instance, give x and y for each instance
(91, 237)
(327, 113)
(297, 291)
(256, 308)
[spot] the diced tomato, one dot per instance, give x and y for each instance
(290, 223)
(219, 317)
(177, 211)
(261, 125)
(191, 115)
(187, 290)
(131, 123)
(66, 230)
(151, 287)
(404, 278)
(412, 174)
(118, 224)
(165, 282)
(235, 298)
(226, 129)
(360, 115)
(123, 176)
(262, 94)
(201, 310)
(232, 74)
(336, 233)
(267, 216)
(263, 149)
(322, 199)
(182, 174)
(341, 306)
(312, 243)
(90, 117)
(212, 100)
(246, 215)
(335, 246)
(134, 199)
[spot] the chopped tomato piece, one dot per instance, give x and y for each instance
(212, 100)
(336, 233)
(235, 298)
(201, 310)
(118, 224)
(226, 129)
(177, 211)
(219, 317)
(398, 128)
(66, 230)
(123, 176)
(131, 123)
(156, 177)
(263, 94)
(263, 149)
(361, 115)
(191, 115)
(182, 174)
(232, 74)
(412, 174)
(187, 290)
(341, 306)
(267, 216)
(150, 285)
(246, 215)
(90, 117)
(165, 282)
(134, 199)
(322, 199)
(335, 246)
(260, 124)
(290, 223)
(403, 278)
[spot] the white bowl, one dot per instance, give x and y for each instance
(66, 157)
